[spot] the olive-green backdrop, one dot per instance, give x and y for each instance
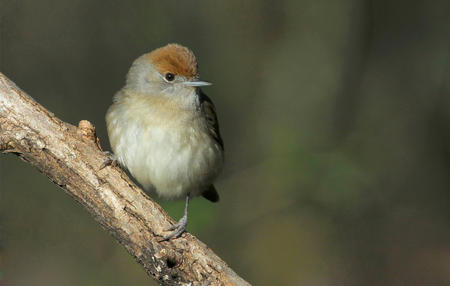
(336, 122)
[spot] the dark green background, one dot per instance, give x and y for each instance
(336, 122)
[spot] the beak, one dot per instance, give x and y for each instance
(196, 83)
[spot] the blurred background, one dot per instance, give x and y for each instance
(336, 122)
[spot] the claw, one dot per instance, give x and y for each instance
(180, 227)
(175, 226)
(177, 229)
(110, 161)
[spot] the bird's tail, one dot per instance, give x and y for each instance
(211, 194)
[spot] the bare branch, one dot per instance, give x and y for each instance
(71, 157)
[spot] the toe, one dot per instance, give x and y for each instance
(177, 232)
(172, 227)
(110, 161)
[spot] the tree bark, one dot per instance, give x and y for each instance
(71, 157)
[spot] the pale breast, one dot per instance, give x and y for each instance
(171, 152)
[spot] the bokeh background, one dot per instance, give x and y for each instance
(335, 116)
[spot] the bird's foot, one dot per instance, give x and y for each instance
(110, 161)
(177, 229)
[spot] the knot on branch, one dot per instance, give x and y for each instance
(171, 257)
(88, 134)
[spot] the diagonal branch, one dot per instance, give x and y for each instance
(71, 157)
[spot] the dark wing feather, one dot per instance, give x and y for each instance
(209, 111)
(211, 194)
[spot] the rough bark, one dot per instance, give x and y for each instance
(71, 157)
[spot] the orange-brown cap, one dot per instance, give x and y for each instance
(175, 59)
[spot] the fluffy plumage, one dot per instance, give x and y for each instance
(166, 133)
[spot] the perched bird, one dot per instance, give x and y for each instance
(164, 129)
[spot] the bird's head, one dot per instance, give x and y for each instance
(166, 71)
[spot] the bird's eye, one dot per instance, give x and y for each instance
(169, 76)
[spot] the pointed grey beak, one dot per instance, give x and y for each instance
(196, 83)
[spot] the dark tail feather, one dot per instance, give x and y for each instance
(211, 194)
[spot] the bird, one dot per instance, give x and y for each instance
(163, 128)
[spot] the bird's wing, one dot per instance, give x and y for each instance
(209, 111)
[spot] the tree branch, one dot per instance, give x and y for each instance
(71, 157)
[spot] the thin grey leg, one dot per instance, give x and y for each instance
(180, 226)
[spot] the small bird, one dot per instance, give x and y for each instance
(164, 129)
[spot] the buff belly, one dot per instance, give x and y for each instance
(172, 160)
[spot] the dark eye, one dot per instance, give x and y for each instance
(169, 76)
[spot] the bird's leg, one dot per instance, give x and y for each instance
(110, 161)
(180, 227)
